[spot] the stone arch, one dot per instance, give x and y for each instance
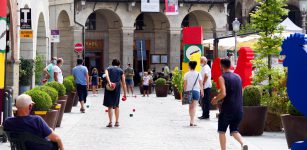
(41, 38)
(103, 38)
(65, 48)
(200, 18)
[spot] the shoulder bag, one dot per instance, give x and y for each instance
(188, 95)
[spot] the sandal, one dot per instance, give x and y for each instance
(82, 110)
(109, 125)
(116, 124)
(193, 125)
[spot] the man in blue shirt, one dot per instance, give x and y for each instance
(81, 77)
(24, 122)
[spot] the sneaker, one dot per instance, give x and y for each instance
(202, 117)
(244, 147)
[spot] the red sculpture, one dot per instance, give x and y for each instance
(192, 35)
(244, 65)
(216, 71)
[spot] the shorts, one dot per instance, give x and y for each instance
(145, 87)
(129, 82)
(195, 95)
(82, 92)
(232, 120)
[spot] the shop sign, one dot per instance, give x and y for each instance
(55, 36)
(150, 6)
(25, 18)
(171, 7)
(26, 34)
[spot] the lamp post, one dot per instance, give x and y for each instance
(236, 27)
(303, 9)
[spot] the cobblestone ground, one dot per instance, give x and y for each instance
(157, 124)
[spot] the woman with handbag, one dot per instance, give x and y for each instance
(192, 92)
(115, 78)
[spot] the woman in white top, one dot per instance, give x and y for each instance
(190, 78)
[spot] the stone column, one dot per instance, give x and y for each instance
(114, 40)
(174, 47)
(127, 46)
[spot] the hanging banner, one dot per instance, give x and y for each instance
(3, 27)
(171, 7)
(150, 6)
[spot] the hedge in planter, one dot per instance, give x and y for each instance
(254, 115)
(69, 85)
(177, 81)
(72, 79)
(161, 87)
(58, 86)
(52, 92)
(41, 99)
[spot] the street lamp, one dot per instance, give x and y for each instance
(303, 9)
(236, 27)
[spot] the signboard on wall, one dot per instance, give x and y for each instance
(171, 7)
(94, 45)
(26, 34)
(150, 6)
(25, 18)
(55, 36)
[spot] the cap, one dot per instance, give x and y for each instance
(23, 101)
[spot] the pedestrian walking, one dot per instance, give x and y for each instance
(49, 70)
(81, 77)
(58, 74)
(206, 76)
(193, 82)
(146, 82)
(115, 78)
(231, 99)
(129, 73)
(94, 81)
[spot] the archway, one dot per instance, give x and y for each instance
(152, 30)
(65, 48)
(102, 39)
(294, 15)
(204, 19)
(41, 39)
(231, 14)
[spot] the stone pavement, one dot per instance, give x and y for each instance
(157, 124)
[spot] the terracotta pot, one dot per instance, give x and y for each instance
(51, 118)
(253, 120)
(273, 122)
(295, 128)
(161, 90)
(177, 94)
(76, 100)
(61, 112)
(69, 102)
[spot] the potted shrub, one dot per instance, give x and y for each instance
(39, 69)
(254, 115)
(73, 92)
(161, 87)
(25, 74)
(177, 81)
(69, 85)
(42, 107)
(213, 92)
(294, 124)
(60, 88)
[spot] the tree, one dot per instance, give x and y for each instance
(266, 20)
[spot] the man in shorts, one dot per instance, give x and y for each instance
(81, 77)
(231, 111)
(129, 72)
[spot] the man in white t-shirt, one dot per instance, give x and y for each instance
(58, 75)
(206, 75)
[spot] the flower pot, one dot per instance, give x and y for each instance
(162, 90)
(273, 122)
(177, 94)
(295, 128)
(253, 120)
(50, 117)
(61, 112)
(23, 88)
(69, 102)
(76, 100)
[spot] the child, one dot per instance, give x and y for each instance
(146, 79)
(94, 81)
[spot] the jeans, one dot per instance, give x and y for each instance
(205, 105)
